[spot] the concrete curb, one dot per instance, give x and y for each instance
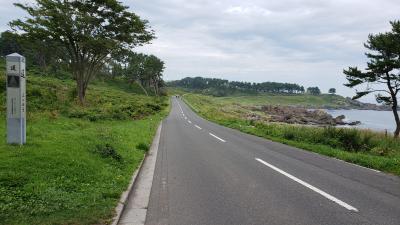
(125, 195)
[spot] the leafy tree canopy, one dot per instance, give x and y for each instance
(314, 90)
(91, 31)
(223, 87)
(382, 75)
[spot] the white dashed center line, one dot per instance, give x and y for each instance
(189, 121)
(197, 127)
(217, 137)
(319, 191)
(180, 107)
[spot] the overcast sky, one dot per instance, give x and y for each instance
(308, 42)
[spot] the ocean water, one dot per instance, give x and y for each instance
(370, 119)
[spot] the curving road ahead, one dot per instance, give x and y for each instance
(209, 174)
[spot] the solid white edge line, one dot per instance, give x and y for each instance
(217, 137)
(377, 171)
(197, 127)
(319, 191)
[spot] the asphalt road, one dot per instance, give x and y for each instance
(209, 174)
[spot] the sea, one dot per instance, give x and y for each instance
(370, 119)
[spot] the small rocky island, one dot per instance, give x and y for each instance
(296, 115)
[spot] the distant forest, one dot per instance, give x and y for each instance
(221, 87)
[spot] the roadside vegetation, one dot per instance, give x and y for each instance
(363, 147)
(93, 106)
(78, 159)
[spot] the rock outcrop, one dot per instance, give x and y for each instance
(298, 115)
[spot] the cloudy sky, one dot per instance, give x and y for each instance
(301, 41)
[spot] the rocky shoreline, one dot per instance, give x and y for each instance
(354, 104)
(297, 115)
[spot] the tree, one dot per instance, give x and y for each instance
(9, 43)
(153, 69)
(135, 69)
(314, 90)
(146, 70)
(382, 75)
(332, 91)
(201, 83)
(42, 53)
(91, 31)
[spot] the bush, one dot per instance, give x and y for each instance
(381, 151)
(108, 100)
(347, 139)
(142, 146)
(153, 107)
(107, 151)
(350, 139)
(289, 134)
(13, 180)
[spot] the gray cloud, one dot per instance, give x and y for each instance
(303, 41)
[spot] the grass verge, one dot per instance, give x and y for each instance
(78, 159)
(72, 171)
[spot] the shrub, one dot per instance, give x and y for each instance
(153, 107)
(107, 151)
(107, 100)
(142, 146)
(13, 180)
(72, 94)
(382, 151)
(350, 139)
(289, 135)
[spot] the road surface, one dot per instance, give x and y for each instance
(209, 174)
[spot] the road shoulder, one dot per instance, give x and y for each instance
(132, 208)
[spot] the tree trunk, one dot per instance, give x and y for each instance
(80, 88)
(155, 90)
(155, 87)
(393, 94)
(397, 119)
(81, 93)
(144, 90)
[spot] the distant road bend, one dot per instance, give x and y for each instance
(209, 174)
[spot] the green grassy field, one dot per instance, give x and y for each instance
(78, 159)
(362, 147)
(294, 100)
(327, 101)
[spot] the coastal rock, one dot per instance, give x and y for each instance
(253, 117)
(354, 123)
(339, 120)
(298, 115)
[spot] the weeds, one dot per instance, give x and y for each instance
(107, 151)
(142, 146)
